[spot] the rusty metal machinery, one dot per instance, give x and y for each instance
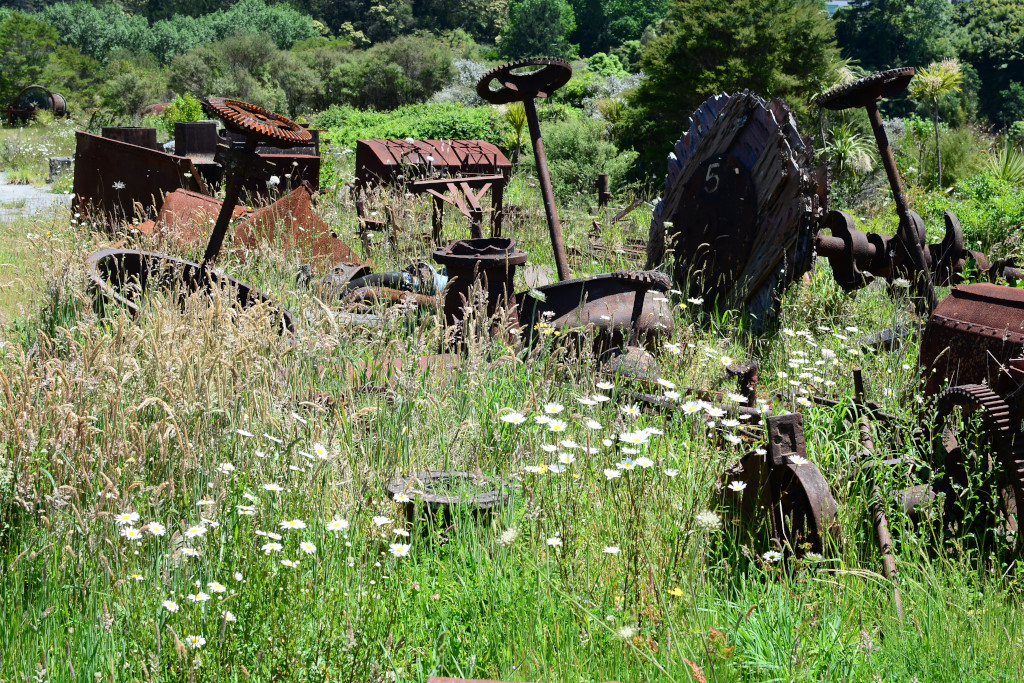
(867, 93)
(525, 81)
(122, 276)
(980, 462)
(33, 99)
(455, 172)
(257, 125)
(119, 182)
(741, 205)
(972, 335)
(785, 493)
(625, 307)
(491, 262)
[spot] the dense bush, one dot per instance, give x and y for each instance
(991, 211)
(101, 30)
(182, 108)
(578, 150)
(421, 121)
(25, 45)
(404, 71)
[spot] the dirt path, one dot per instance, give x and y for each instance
(26, 200)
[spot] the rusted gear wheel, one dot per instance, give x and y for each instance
(791, 501)
(655, 279)
(866, 90)
(252, 121)
(552, 75)
(987, 470)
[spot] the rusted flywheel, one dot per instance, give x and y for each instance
(987, 470)
(253, 121)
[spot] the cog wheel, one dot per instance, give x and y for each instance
(252, 121)
(982, 457)
(515, 87)
(866, 90)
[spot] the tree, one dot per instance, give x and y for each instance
(538, 28)
(25, 47)
(884, 34)
(777, 48)
(992, 41)
(930, 85)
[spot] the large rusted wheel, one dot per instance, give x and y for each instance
(741, 206)
(527, 78)
(252, 121)
(978, 456)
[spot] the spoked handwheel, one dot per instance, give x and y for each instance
(978, 456)
(525, 79)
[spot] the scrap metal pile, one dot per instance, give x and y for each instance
(743, 215)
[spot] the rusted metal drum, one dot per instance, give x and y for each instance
(974, 332)
(122, 276)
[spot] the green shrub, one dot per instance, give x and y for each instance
(447, 121)
(578, 150)
(404, 71)
(183, 108)
(604, 64)
(990, 209)
(583, 86)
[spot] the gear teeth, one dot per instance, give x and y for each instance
(1008, 442)
(245, 119)
(557, 73)
(840, 92)
(658, 280)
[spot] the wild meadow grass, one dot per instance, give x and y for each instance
(187, 496)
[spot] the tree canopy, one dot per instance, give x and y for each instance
(884, 34)
(777, 48)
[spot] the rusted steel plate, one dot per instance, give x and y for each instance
(292, 221)
(400, 161)
(187, 217)
(973, 332)
(119, 182)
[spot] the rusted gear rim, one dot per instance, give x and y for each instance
(1008, 443)
(248, 119)
(555, 73)
(657, 280)
(873, 87)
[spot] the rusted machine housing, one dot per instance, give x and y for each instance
(424, 165)
(118, 181)
(198, 140)
(973, 333)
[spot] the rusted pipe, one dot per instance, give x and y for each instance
(369, 295)
(550, 210)
(877, 502)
